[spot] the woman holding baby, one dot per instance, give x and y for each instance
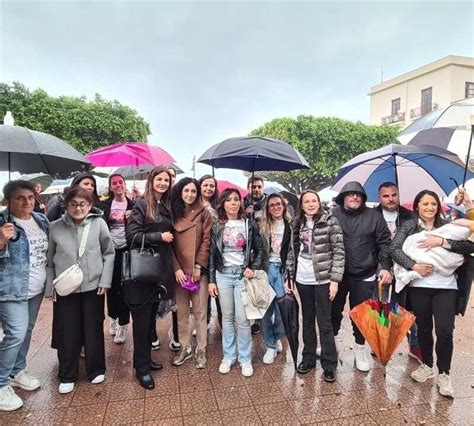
(433, 295)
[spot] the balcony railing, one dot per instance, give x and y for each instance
(394, 118)
(420, 111)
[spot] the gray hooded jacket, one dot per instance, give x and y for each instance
(97, 263)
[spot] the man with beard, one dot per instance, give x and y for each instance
(254, 201)
(366, 243)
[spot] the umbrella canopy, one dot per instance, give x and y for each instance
(448, 128)
(29, 151)
(292, 198)
(223, 184)
(41, 178)
(412, 168)
(130, 154)
(140, 172)
(254, 154)
(289, 310)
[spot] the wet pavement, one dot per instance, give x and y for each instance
(274, 395)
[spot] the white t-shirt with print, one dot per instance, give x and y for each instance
(278, 229)
(117, 223)
(305, 269)
(391, 219)
(234, 237)
(38, 245)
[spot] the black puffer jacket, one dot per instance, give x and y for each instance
(327, 249)
(253, 254)
(366, 235)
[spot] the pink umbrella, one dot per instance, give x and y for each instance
(223, 184)
(129, 154)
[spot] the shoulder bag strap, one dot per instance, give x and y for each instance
(85, 235)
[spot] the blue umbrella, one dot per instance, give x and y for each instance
(412, 168)
(254, 154)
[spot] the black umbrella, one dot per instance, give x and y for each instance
(290, 196)
(141, 172)
(289, 310)
(29, 151)
(254, 154)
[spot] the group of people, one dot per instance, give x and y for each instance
(208, 243)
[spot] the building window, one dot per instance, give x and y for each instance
(469, 89)
(395, 106)
(426, 100)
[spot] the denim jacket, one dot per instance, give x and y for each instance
(15, 261)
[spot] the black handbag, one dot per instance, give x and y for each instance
(141, 265)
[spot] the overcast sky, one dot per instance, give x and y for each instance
(200, 72)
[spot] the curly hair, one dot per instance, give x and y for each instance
(221, 213)
(177, 203)
(215, 196)
(300, 215)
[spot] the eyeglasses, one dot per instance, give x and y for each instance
(82, 205)
(273, 206)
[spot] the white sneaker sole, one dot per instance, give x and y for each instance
(11, 407)
(27, 388)
(418, 380)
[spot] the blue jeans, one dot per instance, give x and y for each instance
(273, 329)
(236, 334)
(18, 320)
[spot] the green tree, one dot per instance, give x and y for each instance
(85, 124)
(326, 143)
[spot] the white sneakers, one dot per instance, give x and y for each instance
(246, 370)
(361, 358)
(120, 334)
(113, 326)
(422, 373)
(269, 356)
(9, 400)
(66, 387)
(445, 387)
(225, 365)
(25, 381)
(98, 379)
(279, 346)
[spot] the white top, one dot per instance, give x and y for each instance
(391, 219)
(276, 235)
(305, 269)
(117, 223)
(234, 237)
(436, 280)
(38, 245)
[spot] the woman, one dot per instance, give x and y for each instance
(40, 207)
(236, 251)
(277, 239)
(192, 234)
(117, 210)
(209, 197)
(434, 296)
(151, 222)
(23, 247)
(78, 318)
(319, 249)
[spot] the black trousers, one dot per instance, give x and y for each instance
(209, 310)
(429, 303)
(315, 303)
(116, 306)
(79, 320)
(143, 325)
(358, 291)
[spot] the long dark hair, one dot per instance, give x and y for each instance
(300, 215)
(221, 213)
(439, 212)
(178, 205)
(111, 194)
(215, 196)
(149, 195)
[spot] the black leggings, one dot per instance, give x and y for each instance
(440, 304)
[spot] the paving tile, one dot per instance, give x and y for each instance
(424, 414)
(45, 416)
(260, 375)
(87, 393)
(50, 397)
(198, 403)
(124, 412)
(13, 417)
(232, 397)
(343, 405)
(233, 378)
(363, 419)
(175, 421)
(277, 413)
(264, 393)
(203, 419)
(243, 416)
(126, 390)
(310, 410)
(458, 410)
(162, 407)
(85, 414)
(164, 385)
(195, 382)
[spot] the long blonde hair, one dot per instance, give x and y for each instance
(149, 195)
(267, 220)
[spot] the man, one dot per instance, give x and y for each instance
(395, 215)
(254, 201)
(366, 243)
(39, 203)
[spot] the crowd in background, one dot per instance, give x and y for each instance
(208, 244)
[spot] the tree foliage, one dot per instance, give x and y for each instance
(326, 143)
(85, 124)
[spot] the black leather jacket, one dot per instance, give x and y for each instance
(253, 252)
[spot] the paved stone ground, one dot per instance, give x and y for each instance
(274, 395)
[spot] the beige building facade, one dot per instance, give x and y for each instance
(403, 99)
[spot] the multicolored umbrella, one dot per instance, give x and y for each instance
(383, 324)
